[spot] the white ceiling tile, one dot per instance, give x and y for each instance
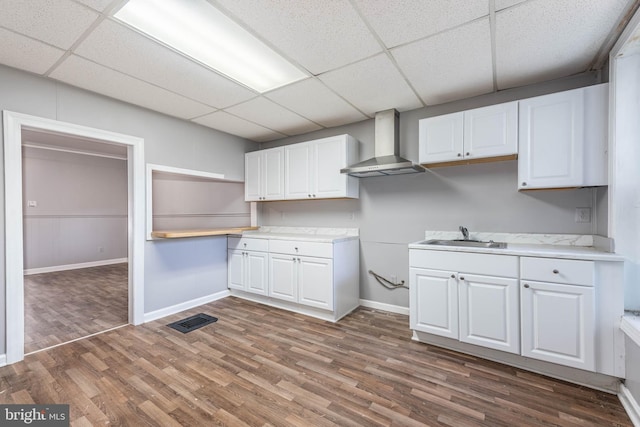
(319, 35)
(226, 122)
(315, 101)
(88, 75)
(547, 39)
(448, 66)
(123, 49)
(503, 4)
(372, 85)
(57, 22)
(273, 116)
(402, 21)
(27, 54)
(98, 5)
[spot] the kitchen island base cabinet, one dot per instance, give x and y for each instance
(318, 279)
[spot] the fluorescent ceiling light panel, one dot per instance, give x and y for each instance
(197, 29)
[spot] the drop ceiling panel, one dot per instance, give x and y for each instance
(271, 115)
(402, 21)
(315, 101)
(56, 22)
(125, 50)
(27, 54)
(88, 75)
(451, 65)
(372, 85)
(319, 35)
(503, 4)
(228, 123)
(98, 5)
(546, 39)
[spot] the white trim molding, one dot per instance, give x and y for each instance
(65, 267)
(385, 307)
(630, 405)
(13, 124)
(3, 360)
(630, 325)
(168, 311)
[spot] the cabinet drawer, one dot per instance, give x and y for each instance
(247, 243)
(557, 270)
(465, 262)
(295, 247)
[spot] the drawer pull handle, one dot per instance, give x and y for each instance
(555, 272)
(453, 276)
(461, 277)
(526, 286)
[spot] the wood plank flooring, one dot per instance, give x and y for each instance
(65, 305)
(260, 366)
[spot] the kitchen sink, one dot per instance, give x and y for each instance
(465, 243)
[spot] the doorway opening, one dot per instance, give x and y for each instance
(75, 200)
(14, 124)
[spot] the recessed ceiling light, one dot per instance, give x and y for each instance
(200, 31)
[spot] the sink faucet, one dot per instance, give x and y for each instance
(464, 231)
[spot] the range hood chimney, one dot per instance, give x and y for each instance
(387, 146)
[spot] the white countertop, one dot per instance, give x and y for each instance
(536, 245)
(308, 234)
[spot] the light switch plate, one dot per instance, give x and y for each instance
(583, 215)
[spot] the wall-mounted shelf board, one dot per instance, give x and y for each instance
(178, 234)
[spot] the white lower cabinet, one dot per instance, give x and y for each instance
(434, 302)
(316, 278)
(558, 319)
(247, 269)
(478, 305)
(489, 314)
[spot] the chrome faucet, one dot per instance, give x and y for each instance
(464, 231)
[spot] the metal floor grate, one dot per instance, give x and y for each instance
(192, 323)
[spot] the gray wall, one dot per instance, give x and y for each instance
(81, 212)
(632, 361)
(396, 210)
(181, 202)
(168, 141)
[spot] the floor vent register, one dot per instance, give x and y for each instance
(192, 323)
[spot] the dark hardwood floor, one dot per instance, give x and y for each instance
(66, 305)
(261, 366)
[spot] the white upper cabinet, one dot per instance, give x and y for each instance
(312, 169)
(481, 133)
(264, 175)
(563, 139)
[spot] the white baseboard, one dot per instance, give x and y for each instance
(3, 360)
(154, 315)
(630, 405)
(385, 307)
(74, 266)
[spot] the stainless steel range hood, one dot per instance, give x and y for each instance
(387, 145)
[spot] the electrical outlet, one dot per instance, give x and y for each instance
(583, 215)
(32, 203)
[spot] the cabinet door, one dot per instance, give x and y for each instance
(273, 176)
(235, 270)
(434, 302)
(315, 277)
(256, 272)
(489, 312)
(558, 324)
(329, 156)
(440, 138)
(283, 280)
(253, 176)
(551, 145)
(491, 131)
(297, 171)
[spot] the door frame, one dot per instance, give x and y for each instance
(13, 123)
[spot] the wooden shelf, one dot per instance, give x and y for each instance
(178, 234)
